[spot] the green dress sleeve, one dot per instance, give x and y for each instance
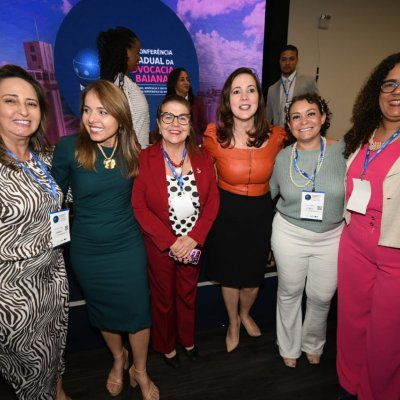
(63, 160)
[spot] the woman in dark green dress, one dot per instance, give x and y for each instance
(107, 250)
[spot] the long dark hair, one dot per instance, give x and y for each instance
(173, 78)
(115, 102)
(225, 115)
(191, 143)
(38, 142)
(366, 111)
(112, 46)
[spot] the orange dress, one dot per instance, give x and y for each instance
(239, 242)
(244, 171)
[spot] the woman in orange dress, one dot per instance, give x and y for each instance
(244, 148)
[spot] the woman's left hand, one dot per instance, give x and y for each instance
(182, 247)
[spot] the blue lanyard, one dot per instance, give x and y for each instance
(286, 91)
(171, 167)
(52, 191)
(368, 160)
(304, 173)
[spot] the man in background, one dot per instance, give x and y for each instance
(289, 85)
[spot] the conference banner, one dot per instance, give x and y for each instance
(56, 42)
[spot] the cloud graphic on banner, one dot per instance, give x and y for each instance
(254, 24)
(220, 50)
(206, 8)
(218, 57)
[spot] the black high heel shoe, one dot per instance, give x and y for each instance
(192, 354)
(173, 362)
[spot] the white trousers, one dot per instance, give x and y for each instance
(304, 259)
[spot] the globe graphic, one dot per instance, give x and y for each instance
(86, 66)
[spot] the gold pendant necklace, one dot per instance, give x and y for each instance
(109, 162)
(376, 145)
(372, 144)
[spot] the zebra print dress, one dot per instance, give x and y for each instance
(33, 286)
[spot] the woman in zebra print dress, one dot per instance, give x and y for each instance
(33, 282)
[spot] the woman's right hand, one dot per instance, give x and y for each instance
(182, 248)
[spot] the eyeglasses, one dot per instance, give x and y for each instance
(389, 86)
(168, 118)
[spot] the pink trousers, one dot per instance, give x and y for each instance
(368, 341)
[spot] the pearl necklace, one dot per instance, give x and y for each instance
(109, 162)
(319, 164)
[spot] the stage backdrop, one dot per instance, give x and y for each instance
(209, 38)
(56, 42)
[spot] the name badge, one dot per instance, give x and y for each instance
(312, 205)
(360, 196)
(59, 223)
(182, 205)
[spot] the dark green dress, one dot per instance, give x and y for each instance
(107, 251)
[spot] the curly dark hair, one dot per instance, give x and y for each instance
(191, 143)
(112, 46)
(366, 111)
(173, 78)
(38, 142)
(225, 115)
(312, 98)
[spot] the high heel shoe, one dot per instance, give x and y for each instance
(231, 344)
(289, 362)
(114, 384)
(251, 327)
(192, 354)
(132, 380)
(153, 389)
(174, 361)
(313, 359)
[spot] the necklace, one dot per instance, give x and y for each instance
(242, 140)
(374, 145)
(109, 162)
(178, 167)
(317, 168)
